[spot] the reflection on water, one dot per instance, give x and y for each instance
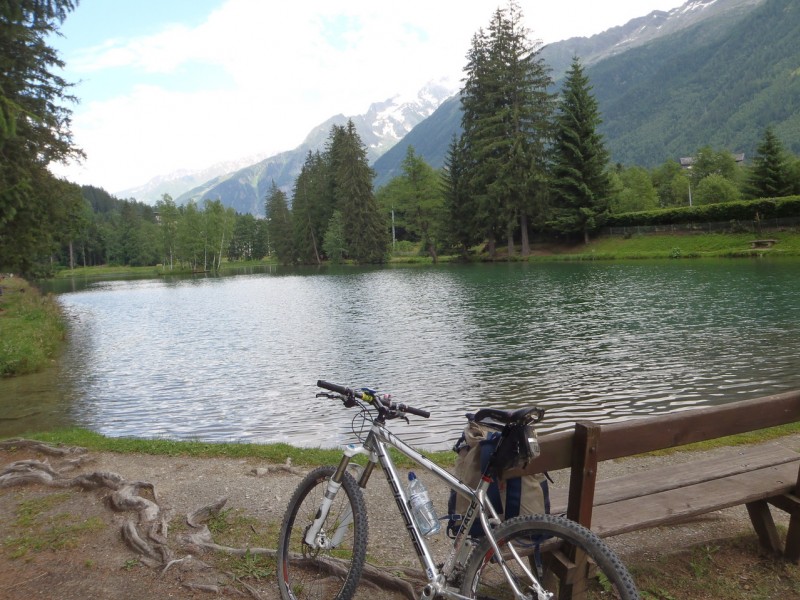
(237, 358)
(35, 402)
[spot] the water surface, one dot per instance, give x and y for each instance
(237, 358)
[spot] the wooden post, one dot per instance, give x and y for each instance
(764, 524)
(792, 553)
(583, 475)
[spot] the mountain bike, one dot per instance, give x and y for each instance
(323, 537)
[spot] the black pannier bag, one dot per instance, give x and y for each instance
(511, 497)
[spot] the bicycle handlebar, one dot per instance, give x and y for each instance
(369, 398)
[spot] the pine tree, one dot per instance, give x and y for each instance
(334, 243)
(461, 226)
(581, 187)
(312, 207)
(366, 232)
(769, 176)
(279, 225)
(422, 201)
(34, 131)
(506, 114)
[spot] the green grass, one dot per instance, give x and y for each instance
(112, 271)
(33, 328)
(36, 528)
(733, 569)
(697, 245)
(276, 453)
(638, 246)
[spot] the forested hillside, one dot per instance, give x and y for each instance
(719, 83)
(705, 86)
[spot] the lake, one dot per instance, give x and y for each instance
(237, 358)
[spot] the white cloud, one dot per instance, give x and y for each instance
(257, 76)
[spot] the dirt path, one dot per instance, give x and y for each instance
(66, 544)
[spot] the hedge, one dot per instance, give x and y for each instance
(743, 210)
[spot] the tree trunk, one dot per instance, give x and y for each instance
(71, 257)
(314, 241)
(432, 252)
(490, 247)
(221, 246)
(510, 235)
(523, 223)
(586, 236)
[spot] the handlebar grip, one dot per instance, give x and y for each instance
(339, 389)
(414, 411)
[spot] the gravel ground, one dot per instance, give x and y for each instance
(95, 568)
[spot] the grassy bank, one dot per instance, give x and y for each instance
(702, 245)
(311, 457)
(273, 453)
(32, 326)
(115, 272)
(637, 246)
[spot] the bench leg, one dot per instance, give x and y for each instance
(764, 524)
(793, 540)
(572, 568)
(791, 504)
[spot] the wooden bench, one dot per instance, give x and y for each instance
(757, 476)
(763, 243)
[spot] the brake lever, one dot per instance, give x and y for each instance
(396, 414)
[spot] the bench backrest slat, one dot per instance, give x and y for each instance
(637, 436)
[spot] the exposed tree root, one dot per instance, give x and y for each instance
(284, 468)
(147, 534)
(41, 447)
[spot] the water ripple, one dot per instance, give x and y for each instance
(237, 358)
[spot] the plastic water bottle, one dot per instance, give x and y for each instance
(421, 507)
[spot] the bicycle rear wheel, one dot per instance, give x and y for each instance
(566, 559)
(332, 571)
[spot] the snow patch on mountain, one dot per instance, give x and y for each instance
(381, 127)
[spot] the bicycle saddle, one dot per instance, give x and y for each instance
(519, 415)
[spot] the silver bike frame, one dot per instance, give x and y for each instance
(375, 447)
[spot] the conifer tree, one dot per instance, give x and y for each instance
(461, 230)
(769, 176)
(422, 201)
(581, 187)
(506, 119)
(366, 232)
(279, 225)
(312, 207)
(34, 131)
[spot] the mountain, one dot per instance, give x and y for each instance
(710, 72)
(380, 128)
(177, 182)
(629, 63)
(641, 31)
(719, 86)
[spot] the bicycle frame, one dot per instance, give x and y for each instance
(375, 447)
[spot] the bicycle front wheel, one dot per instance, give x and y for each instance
(566, 559)
(329, 569)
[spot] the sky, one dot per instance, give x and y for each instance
(167, 85)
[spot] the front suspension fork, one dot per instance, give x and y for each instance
(315, 536)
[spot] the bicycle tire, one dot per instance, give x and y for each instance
(545, 540)
(332, 574)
